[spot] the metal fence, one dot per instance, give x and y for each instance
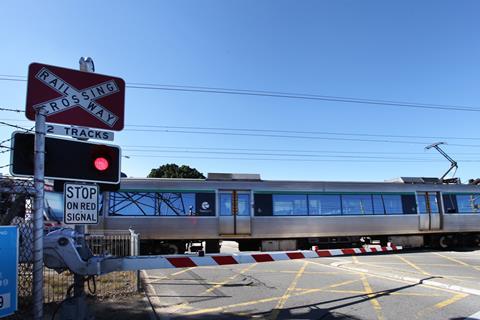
(16, 207)
(116, 243)
(16, 199)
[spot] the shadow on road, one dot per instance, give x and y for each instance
(308, 311)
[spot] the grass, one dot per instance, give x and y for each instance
(111, 285)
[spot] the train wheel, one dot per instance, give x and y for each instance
(476, 240)
(172, 248)
(443, 242)
(248, 245)
(212, 246)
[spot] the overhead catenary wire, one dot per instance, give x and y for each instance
(5, 141)
(293, 137)
(297, 134)
(127, 126)
(301, 132)
(277, 154)
(291, 157)
(290, 134)
(11, 110)
(154, 148)
(13, 79)
(291, 160)
(321, 98)
(186, 148)
(236, 130)
(13, 76)
(293, 134)
(283, 156)
(280, 94)
(15, 126)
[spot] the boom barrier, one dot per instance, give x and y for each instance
(61, 253)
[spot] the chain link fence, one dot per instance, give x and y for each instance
(16, 208)
(114, 243)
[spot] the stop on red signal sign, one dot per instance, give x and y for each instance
(81, 204)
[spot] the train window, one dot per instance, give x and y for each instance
(393, 203)
(409, 204)
(289, 205)
(243, 204)
(378, 206)
(468, 203)
(357, 204)
(263, 204)
(132, 204)
(328, 204)
(151, 204)
(427, 204)
(176, 204)
(450, 203)
(225, 204)
(433, 203)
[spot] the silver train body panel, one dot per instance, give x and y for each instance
(278, 227)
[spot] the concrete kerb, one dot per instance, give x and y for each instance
(150, 295)
(413, 280)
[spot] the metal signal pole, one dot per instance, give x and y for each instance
(78, 280)
(39, 182)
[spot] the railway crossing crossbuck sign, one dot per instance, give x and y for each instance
(76, 97)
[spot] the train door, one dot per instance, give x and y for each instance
(235, 212)
(429, 209)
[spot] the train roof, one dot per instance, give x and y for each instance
(228, 181)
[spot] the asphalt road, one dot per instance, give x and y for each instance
(409, 285)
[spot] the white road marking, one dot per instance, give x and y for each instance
(475, 316)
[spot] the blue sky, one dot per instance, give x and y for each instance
(421, 52)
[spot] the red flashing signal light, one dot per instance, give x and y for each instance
(67, 159)
(101, 163)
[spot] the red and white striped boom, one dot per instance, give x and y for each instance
(60, 253)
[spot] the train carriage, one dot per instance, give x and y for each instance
(285, 215)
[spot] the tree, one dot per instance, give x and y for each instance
(172, 170)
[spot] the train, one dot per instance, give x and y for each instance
(175, 215)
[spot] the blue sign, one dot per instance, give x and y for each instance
(8, 270)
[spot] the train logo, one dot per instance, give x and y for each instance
(205, 205)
